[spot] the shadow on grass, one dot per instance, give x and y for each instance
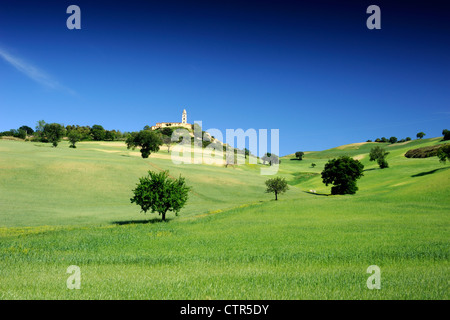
(151, 221)
(318, 194)
(371, 169)
(428, 172)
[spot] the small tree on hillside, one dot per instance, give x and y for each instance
(159, 193)
(313, 164)
(379, 154)
(444, 153)
(276, 185)
(149, 141)
(446, 134)
(420, 135)
(53, 133)
(299, 155)
(393, 139)
(167, 141)
(246, 153)
(74, 136)
(342, 173)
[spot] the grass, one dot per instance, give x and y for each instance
(232, 241)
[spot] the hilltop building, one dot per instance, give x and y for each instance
(183, 123)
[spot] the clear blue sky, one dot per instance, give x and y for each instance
(308, 68)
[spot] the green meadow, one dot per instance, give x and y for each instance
(62, 206)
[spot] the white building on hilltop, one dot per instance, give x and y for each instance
(183, 123)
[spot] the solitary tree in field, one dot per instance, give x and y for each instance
(299, 155)
(444, 153)
(149, 141)
(159, 193)
(313, 164)
(276, 185)
(54, 133)
(342, 173)
(74, 136)
(420, 135)
(378, 154)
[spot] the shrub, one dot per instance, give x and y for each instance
(423, 152)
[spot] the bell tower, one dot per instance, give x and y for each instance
(184, 117)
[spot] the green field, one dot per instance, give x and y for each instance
(62, 207)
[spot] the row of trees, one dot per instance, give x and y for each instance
(419, 135)
(54, 132)
(391, 140)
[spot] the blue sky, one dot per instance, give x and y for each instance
(308, 68)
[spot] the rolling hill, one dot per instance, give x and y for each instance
(62, 207)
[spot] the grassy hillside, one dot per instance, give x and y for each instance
(61, 207)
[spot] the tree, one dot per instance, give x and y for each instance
(379, 154)
(271, 158)
(299, 155)
(27, 129)
(420, 135)
(157, 192)
(393, 139)
(98, 132)
(446, 134)
(276, 185)
(246, 153)
(110, 135)
(342, 173)
(167, 131)
(53, 132)
(20, 133)
(313, 164)
(167, 141)
(383, 139)
(40, 126)
(74, 136)
(444, 153)
(149, 141)
(408, 139)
